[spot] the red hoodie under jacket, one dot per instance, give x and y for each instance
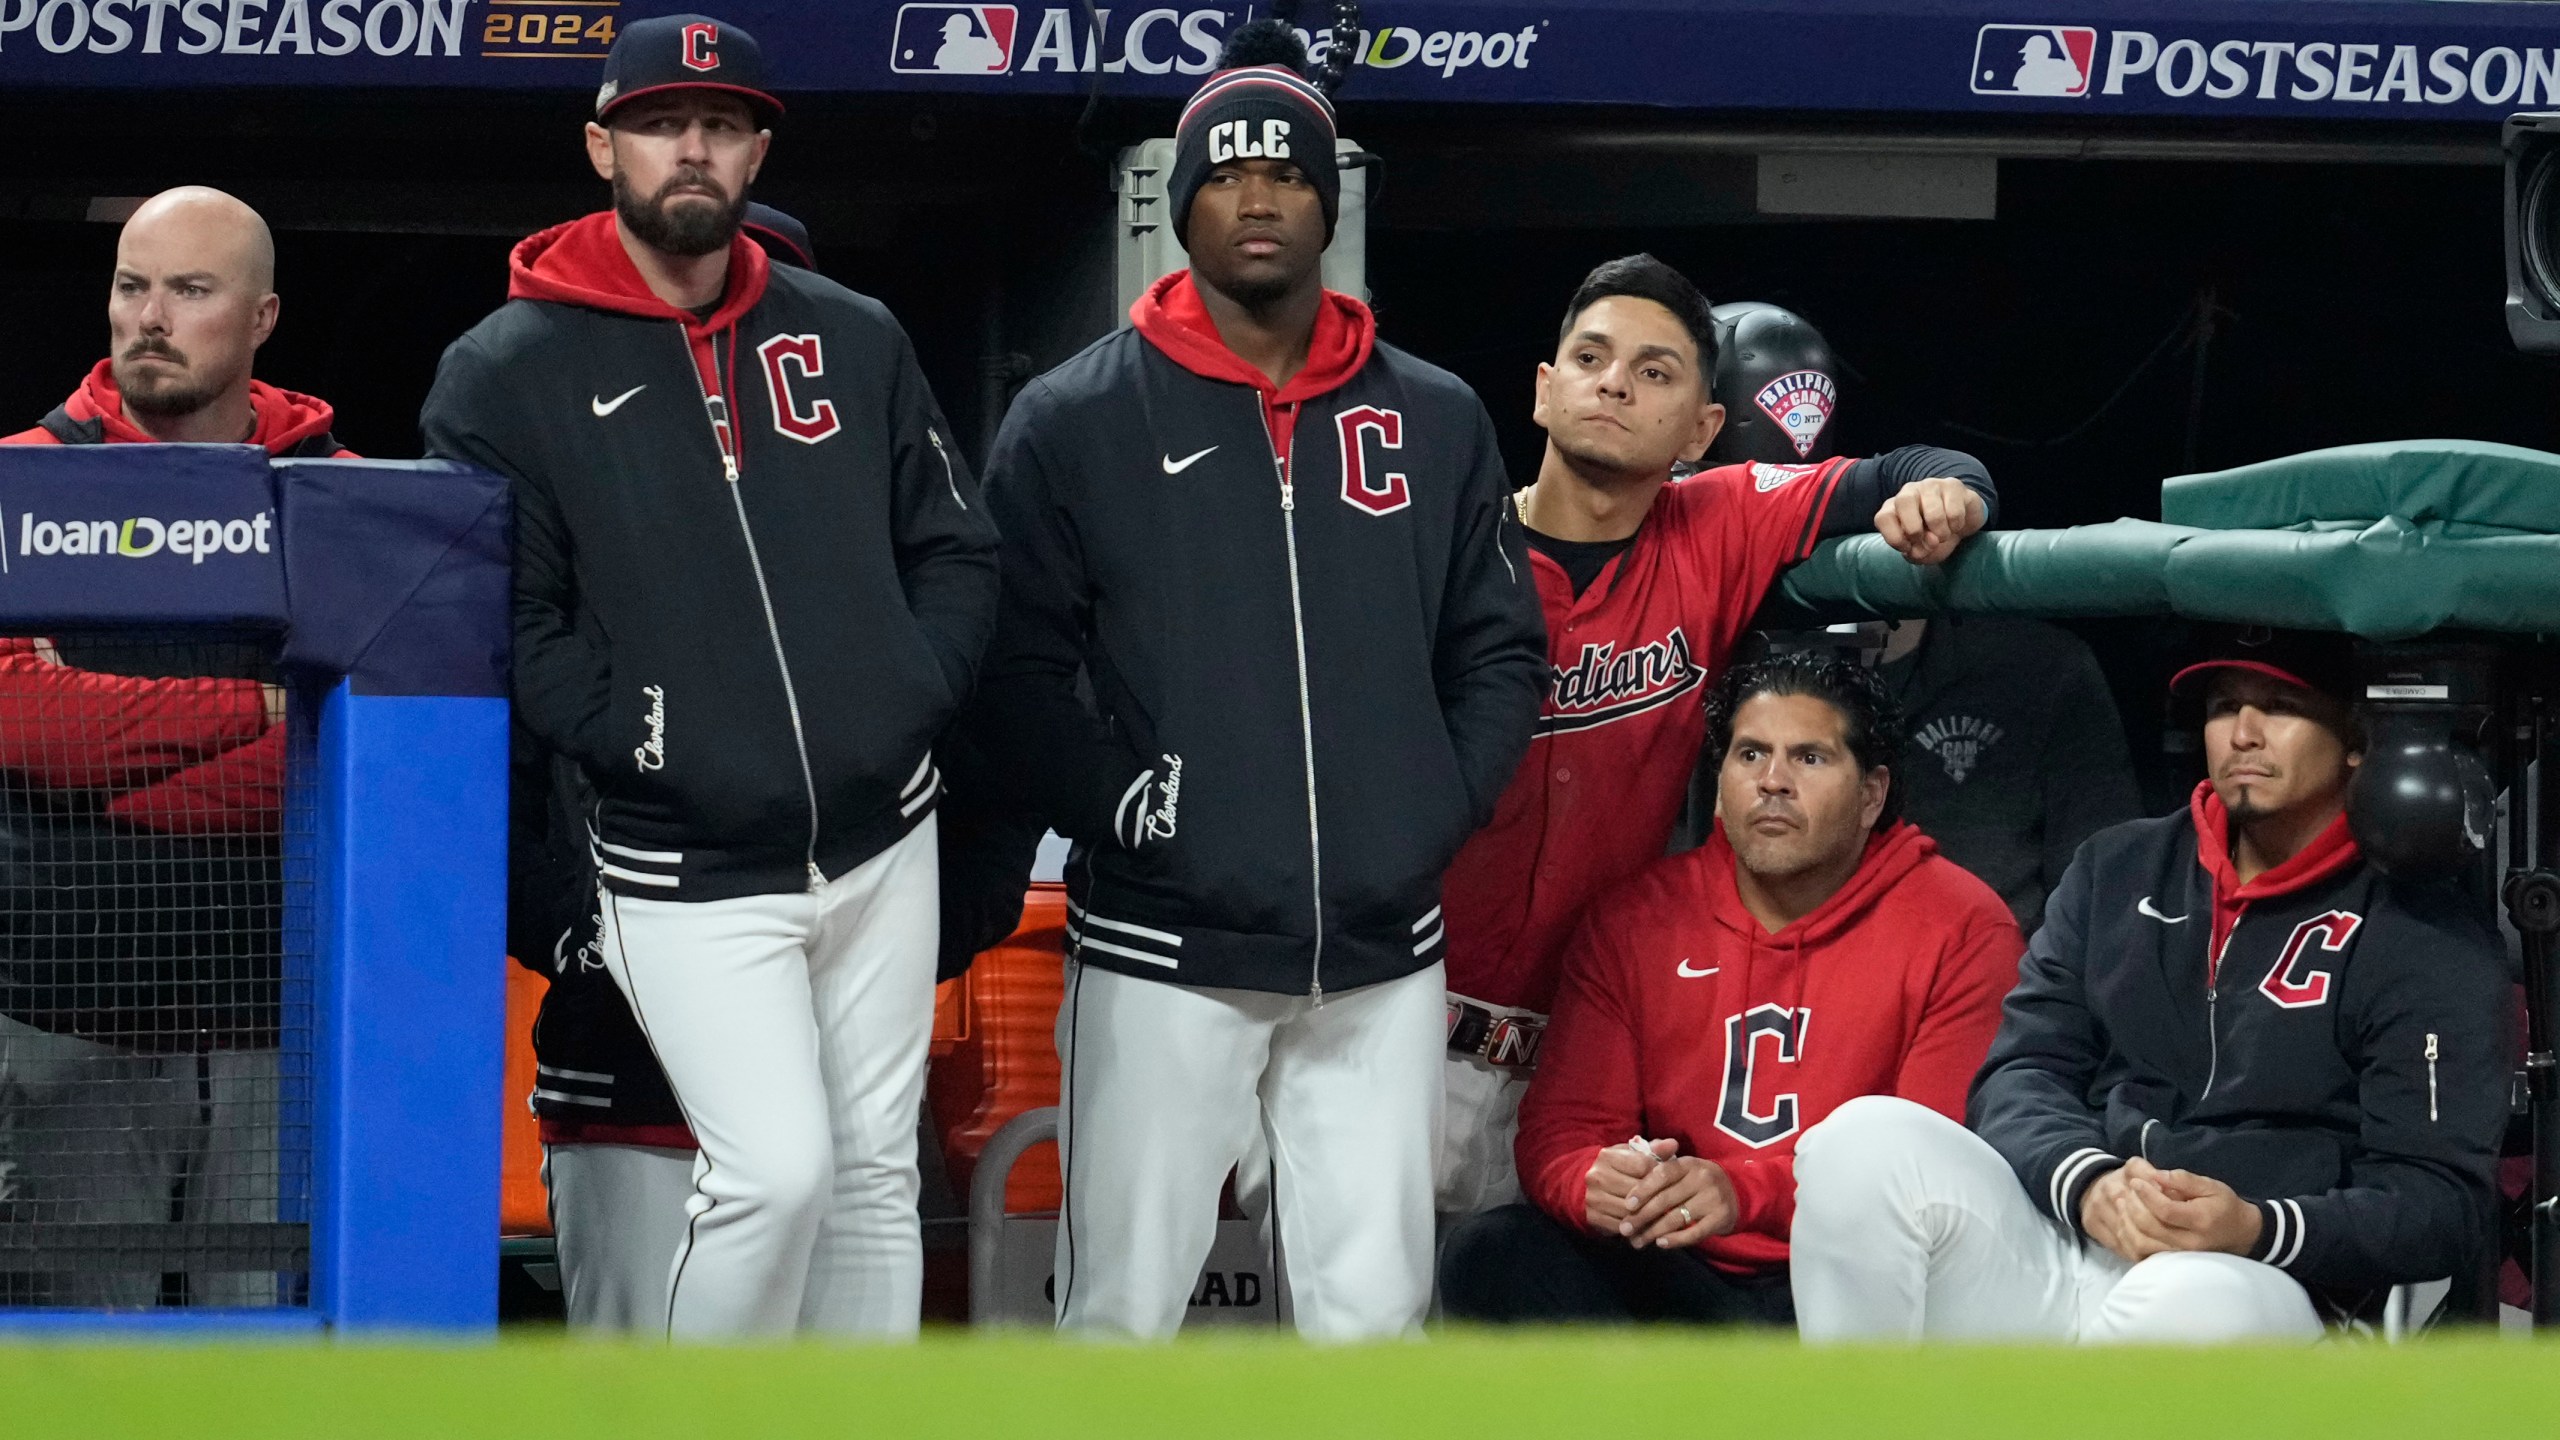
(180, 756)
(1681, 1018)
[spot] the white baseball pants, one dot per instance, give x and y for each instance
(793, 1029)
(1162, 1084)
(1910, 1227)
(618, 1216)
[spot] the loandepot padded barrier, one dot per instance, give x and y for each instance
(2383, 541)
(251, 889)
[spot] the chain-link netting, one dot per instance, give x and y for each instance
(155, 991)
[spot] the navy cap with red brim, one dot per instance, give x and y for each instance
(2312, 660)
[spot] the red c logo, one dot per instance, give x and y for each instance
(1381, 494)
(2300, 992)
(781, 355)
(699, 40)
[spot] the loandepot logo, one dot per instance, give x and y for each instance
(143, 536)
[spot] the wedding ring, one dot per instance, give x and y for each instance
(1686, 1218)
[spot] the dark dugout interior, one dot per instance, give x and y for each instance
(2119, 321)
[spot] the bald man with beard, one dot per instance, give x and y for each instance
(193, 299)
(141, 805)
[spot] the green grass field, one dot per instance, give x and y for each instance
(1468, 1387)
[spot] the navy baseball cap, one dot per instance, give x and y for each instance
(2313, 660)
(684, 52)
(782, 236)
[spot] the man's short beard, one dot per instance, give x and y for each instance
(689, 233)
(174, 399)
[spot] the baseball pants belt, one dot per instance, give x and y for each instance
(1480, 1032)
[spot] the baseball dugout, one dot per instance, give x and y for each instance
(252, 769)
(2443, 558)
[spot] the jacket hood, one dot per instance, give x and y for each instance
(1174, 319)
(1892, 854)
(2331, 853)
(583, 263)
(285, 418)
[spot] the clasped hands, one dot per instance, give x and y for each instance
(2141, 1210)
(1648, 1194)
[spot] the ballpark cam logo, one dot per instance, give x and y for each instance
(1801, 403)
(953, 40)
(2048, 60)
(1958, 741)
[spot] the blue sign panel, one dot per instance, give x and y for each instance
(93, 534)
(2320, 59)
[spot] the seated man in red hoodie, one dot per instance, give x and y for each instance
(141, 800)
(1722, 1002)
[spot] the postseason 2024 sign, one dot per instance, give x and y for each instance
(2340, 60)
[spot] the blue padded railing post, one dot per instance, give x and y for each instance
(411, 1010)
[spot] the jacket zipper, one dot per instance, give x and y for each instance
(2212, 1027)
(1306, 707)
(2431, 1077)
(716, 407)
(944, 456)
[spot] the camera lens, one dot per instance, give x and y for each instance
(2539, 222)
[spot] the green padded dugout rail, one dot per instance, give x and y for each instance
(2383, 541)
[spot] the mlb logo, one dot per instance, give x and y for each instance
(953, 40)
(2033, 59)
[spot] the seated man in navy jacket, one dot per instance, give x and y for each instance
(2245, 1085)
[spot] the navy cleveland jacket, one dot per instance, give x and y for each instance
(2332, 1044)
(753, 578)
(1304, 609)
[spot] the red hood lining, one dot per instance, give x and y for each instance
(1891, 854)
(1173, 318)
(583, 263)
(286, 418)
(2331, 853)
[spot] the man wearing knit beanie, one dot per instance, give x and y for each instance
(1281, 552)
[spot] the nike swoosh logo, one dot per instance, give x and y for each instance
(1688, 974)
(2144, 905)
(1176, 467)
(604, 407)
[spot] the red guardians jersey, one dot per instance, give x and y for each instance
(1625, 715)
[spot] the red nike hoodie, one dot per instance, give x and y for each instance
(190, 756)
(1681, 1018)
